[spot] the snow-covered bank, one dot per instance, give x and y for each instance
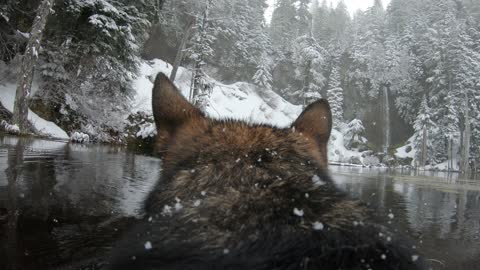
(408, 152)
(42, 126)
(240, 100)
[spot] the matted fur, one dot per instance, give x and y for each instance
(235, 195)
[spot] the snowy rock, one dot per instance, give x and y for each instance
(9, 128)
(80, 137)
(355, 160)
(147, 130)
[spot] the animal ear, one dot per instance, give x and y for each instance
(316, 121)
(170, 108)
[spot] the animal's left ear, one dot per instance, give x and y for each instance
(171, 110)
(316, 121)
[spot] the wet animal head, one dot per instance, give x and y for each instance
(186, 133)
(235, 195)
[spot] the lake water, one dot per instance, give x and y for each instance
(68, 203)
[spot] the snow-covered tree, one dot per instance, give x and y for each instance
(335, 97)
(354, 134)
(321, 29)
(201, 48)
(308, 58)
(175, 17)
(304, 18)
(91, 53)
(422, 141)
(368, 52)
(263, 76)
(241, 37)
(283, 24)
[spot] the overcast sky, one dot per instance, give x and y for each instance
(352, 5)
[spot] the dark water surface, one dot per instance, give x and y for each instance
(67, 204)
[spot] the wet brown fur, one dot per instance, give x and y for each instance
(233, 186)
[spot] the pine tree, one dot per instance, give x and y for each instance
(473, 8)
(90, 52)
(175, 17)
(242, 38)
(354, 134)
(400, 14)
(368, 51)
(340, 20)
(422, 138)
(263, 76)
(200, 49)
(304, 18)
(283, 28)
(308, 58)
(320, 23)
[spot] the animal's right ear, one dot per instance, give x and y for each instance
(170, 108)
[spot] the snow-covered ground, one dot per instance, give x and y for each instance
(445, 166)
(406, 151)
(240, 100)
(337, 152)
(44, 127)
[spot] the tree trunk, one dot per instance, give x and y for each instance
(179, 56)
(159, 6)
(466, 139)
(196, 82)
(450, 153)
(424, 147)
(25, 77)
(306, 83)
(197, 72)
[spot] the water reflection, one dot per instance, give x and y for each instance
(67, 204)
(441, 214)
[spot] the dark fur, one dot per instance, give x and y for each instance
(248, 180)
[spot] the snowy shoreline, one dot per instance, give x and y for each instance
(42, 127)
